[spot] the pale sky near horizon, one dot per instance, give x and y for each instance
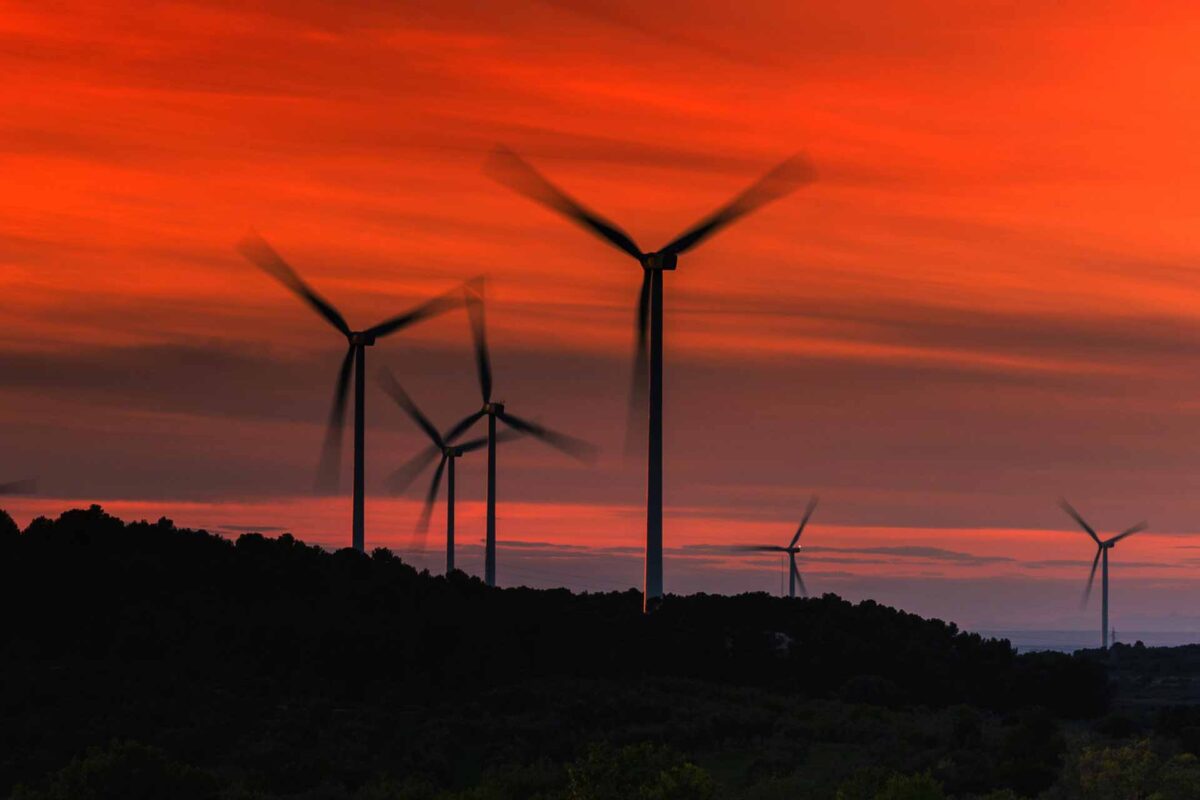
(986, 300)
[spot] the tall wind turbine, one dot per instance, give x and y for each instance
(793, 547)
(570, 445)
(262, 255)
(1102, 548)
(514, 172)
(450, 453)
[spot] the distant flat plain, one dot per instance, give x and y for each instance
(1072, 640)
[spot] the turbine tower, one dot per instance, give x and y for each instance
(793, 547)
(576, 448)
(1102, 548)
(256, 250)
(450, 453)
(509, 169)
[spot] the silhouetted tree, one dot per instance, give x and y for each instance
(8, 529)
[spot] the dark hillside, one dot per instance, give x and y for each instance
(269, 664)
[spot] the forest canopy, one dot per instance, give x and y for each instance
(269, 666)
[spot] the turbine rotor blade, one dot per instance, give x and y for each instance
(474, 444)
(576, 448)
(635, 426)
(779, 181)
(800, 581)
(509, 169)
(331, 450)
(390, 385)
(256, 250)
(430, 308)
(1141, 526)
(430, 498)
(1087, 592)
(461, 427)
(808, 512)
(483, 360)
(481, 442)
(402, 477)
(26, 486)
(1075, 515)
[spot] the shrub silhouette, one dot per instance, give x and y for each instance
(125, 770)
(637, 772)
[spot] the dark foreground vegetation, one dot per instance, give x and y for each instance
(145, 661)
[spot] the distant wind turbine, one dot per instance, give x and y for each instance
(258, 252)
(511, 170)
(1102, 548)
(793, 547)
(406, 474)
(570, 445)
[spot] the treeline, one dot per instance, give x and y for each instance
(282, 668)
(87, 585)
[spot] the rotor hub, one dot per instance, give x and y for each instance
(361, 339)
(493, 408)
(660, 261)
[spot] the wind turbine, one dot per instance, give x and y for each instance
(450, 453)
(258, 252)
(570, 445)
(792, 549)
(511, 170)
(1102, 548)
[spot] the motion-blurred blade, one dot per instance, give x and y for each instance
(1087, 592)
(461, 427)
(331, 451)
(812, 505)
(483, 360)
(800, 581)
(635, 425)
(402, 477)
(509, 169)
(781, 180)
(430, 497)
(474, 444)
(390, 385)
(1141, 526)
(26, 486)
(576, 448)
(481, 442)
(256, 250)
(430, 308)
(1075, 515)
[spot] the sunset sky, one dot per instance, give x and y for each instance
(988, 298)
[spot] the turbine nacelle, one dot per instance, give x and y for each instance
(493, 408)
(659, 261)
(361, 338)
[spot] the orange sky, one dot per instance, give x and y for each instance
(986, 300)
